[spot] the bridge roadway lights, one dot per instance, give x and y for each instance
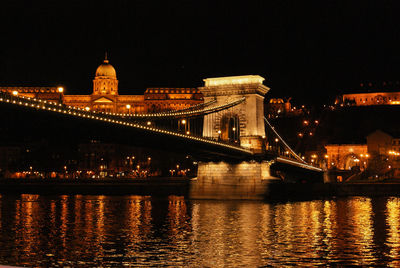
(247, 180)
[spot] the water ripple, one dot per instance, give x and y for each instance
(141, 231)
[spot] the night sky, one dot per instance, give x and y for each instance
(310, 51)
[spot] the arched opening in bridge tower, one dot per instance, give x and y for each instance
(350, 162)
(230, 128)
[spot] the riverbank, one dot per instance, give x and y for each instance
(159, 186)
(329, 190)
(181, 186)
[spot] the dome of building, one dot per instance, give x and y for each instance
(106, 69)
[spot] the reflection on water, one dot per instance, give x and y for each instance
(81, 230)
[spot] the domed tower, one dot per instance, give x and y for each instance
(105, 81)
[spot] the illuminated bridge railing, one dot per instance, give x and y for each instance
(186, 113)
(293, 162)
(108, 118)
(191, 108)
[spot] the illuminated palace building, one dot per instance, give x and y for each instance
(385, 94)
(105, 95)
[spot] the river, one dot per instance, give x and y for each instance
(142, 231)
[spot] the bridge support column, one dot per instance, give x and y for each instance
(221, 180)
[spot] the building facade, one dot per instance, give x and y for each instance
(54, 94)
(346, 156)
(375, 98)
(105, 96)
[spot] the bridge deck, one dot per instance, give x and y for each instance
(205, 149)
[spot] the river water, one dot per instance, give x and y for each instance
(141, 231)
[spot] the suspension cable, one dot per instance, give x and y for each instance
(284, 143)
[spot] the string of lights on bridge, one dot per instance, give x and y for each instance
(86, 113)
(167, 113)
(203, 111)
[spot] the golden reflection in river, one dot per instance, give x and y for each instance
(363, 229)
(137, 223)
(299, 229)
(348, 230)
(329, 225)
(209, 237)
(223, 231)
(360, 216)
(93, 231)
(177, 216)
(393, 222)
(27, 223)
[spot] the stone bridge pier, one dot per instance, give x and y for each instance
(243, 124)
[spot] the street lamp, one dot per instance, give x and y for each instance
(15, 93)
(60, 89)
(128, 106)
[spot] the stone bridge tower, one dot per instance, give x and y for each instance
(243, 123)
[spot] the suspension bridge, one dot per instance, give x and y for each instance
(228, 134)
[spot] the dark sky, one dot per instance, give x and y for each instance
(303, 48)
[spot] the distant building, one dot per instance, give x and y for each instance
(346, 156)
(54, 94)
(384, 147)
(382, 151)
(9, 156)
(277, 106)
(161, 99)
(105, 96)
(375, 98)
(371, 94)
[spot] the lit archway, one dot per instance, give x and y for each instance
(351, 161)
(230, 128)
